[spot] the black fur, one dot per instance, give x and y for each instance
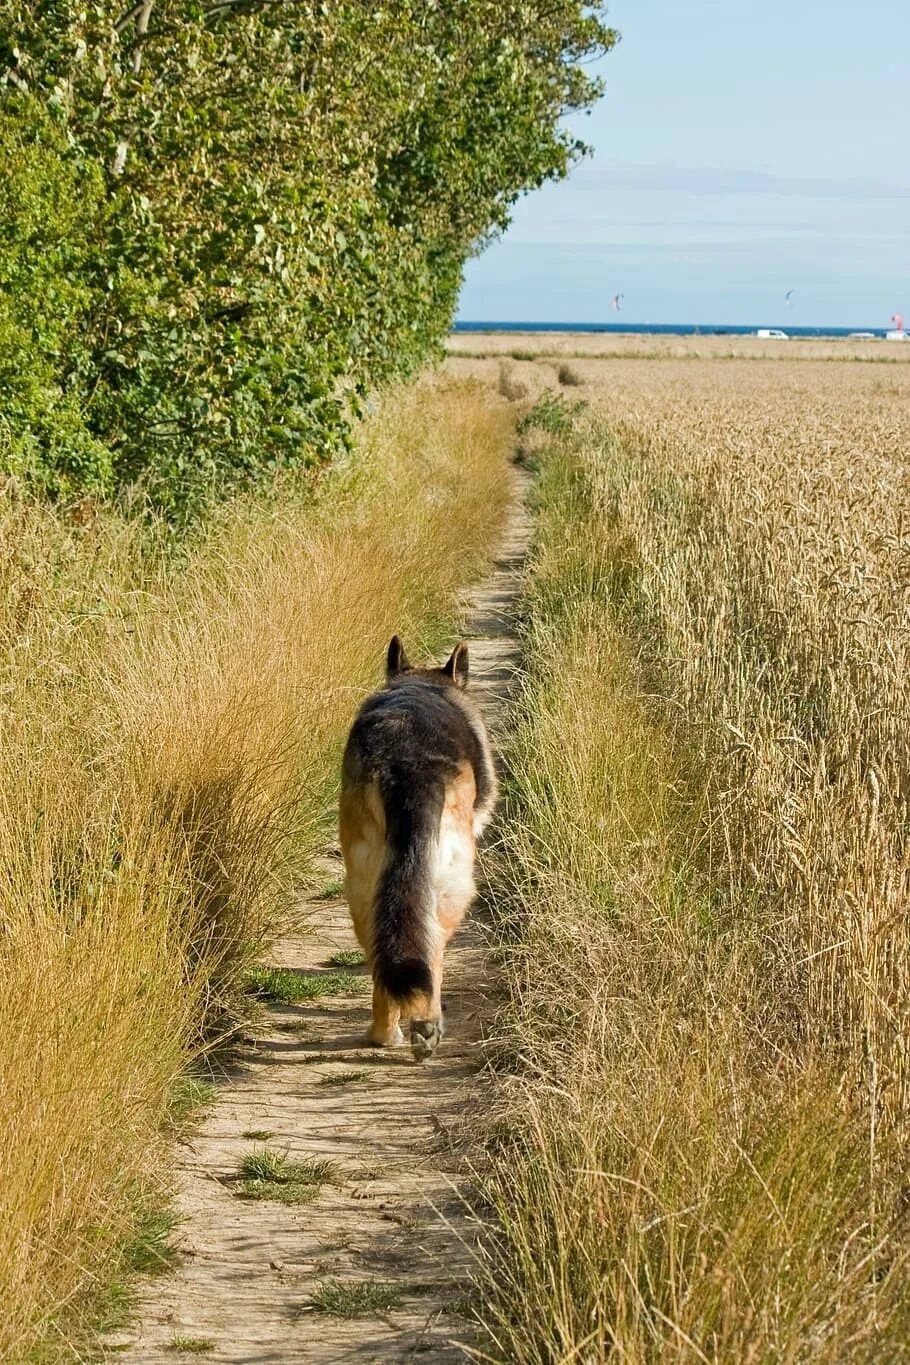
(396, 659)
(410, 738)
(457, 666)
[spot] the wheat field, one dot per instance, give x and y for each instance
(699, 1153)
(598, 346)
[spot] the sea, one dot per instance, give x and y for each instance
(665, 328)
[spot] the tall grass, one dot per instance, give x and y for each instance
(699, 1150)
(169, 740)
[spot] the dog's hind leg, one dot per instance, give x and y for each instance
(454, 891)
(426, 1032)
(384, 1030)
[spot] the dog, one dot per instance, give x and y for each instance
(418, 787)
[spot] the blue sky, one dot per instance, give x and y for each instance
(743, 148)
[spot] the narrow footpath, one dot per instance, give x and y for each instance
(256, 1278)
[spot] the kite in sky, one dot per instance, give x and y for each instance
(788, 296)
(898, 320)
(616, 301)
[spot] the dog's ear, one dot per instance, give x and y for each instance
(457, 666)
(396, 660)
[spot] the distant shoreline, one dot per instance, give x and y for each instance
(669, 329)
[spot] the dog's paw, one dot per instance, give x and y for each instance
(426, 1035)
(376, 1038)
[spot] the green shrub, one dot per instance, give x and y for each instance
(552, 414)
(239, 221)
(50, 203)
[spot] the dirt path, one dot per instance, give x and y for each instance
(392, 1227)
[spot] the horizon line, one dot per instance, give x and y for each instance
(503, 324)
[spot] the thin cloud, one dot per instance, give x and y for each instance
(744, 239)
(704, 180)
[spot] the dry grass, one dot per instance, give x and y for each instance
(508, 386)
(699, 1154)
(569, 375)
(169, 741)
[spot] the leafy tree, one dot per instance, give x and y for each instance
(47, 203)
(275, 202)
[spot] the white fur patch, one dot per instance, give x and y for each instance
(481, 819)
(454, 864)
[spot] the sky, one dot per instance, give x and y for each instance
(743, 148)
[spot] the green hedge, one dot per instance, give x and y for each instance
(48, 204)
(226, 221)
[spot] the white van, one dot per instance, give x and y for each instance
(774, 332)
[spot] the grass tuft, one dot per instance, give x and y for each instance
(189, 1097)
(344, 1077)
(291, 988)
(149, 1249)
(346, 957)
(510, 387)
(569, 375)
(274, 1176)
(302, 1027)
(354, 1300)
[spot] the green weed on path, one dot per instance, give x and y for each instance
(342, 1300)
(290, 988)
(276, 1177)
(346, 957)
(338, 1078)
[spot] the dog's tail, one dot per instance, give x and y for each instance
(404, 925)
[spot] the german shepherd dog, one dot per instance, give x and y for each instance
(418, 786)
